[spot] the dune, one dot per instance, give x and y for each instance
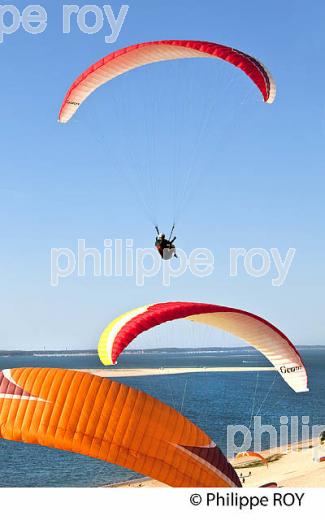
(294, 468)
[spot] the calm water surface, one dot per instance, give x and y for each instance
(211, 400)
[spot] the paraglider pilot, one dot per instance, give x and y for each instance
(164, 246)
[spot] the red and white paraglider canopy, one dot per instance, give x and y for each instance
(135, 56)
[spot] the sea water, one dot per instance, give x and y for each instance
(212, 400)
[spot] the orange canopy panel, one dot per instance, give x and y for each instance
(104, 419)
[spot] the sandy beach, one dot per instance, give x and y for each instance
(291, 469)
(138, 372)
(288, 467)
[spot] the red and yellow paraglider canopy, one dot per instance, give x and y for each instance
(256, 331)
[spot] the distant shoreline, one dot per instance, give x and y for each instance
(93, 351)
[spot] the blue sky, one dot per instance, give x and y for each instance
(259, 168)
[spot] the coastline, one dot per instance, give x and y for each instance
(293, 468)
(288, 466)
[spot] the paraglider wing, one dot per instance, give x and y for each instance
(256, 331)
(251, 455)
(135, 56)
(104, 419)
